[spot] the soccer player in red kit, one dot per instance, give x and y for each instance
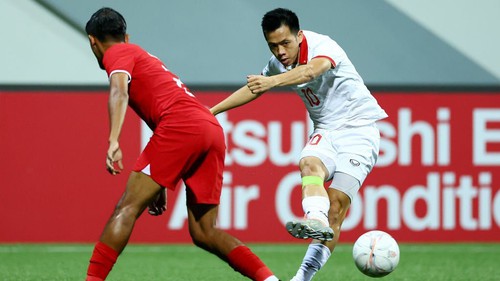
(187, 144)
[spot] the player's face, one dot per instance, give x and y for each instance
(284, 44)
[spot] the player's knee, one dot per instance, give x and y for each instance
(126, 210)
(197, 241)
(201, 221)
(312, 166)
(201, 237)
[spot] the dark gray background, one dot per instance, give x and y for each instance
(219, 42)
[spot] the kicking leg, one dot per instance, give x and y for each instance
(315, 202)
(319, 251)
(140, 191)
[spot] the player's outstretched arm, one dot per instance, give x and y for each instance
(238, 98)
(303, 73)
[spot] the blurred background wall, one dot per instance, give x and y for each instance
(213, 43)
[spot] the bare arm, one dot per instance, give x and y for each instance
(259, 84)
(117, 107)
(238, 98)
(301, 74)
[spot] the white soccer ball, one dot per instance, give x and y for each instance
(376, 253)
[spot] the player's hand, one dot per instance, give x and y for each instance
(114, 158)
(159, 204)
(259, 84)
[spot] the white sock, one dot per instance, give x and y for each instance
(272, 278)
(316, 207)
(316, 256)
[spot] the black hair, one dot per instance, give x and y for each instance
(107, 24)
(272, 20)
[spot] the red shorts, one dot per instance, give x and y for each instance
(193, 153)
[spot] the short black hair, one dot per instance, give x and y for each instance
(272, 20)
(107, 24)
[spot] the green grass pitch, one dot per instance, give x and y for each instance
(447, 262)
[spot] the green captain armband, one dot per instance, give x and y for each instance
(312, 180)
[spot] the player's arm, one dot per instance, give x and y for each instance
(238, 98)
(117, 107)
(299, 75)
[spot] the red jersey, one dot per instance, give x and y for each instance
(155, 94)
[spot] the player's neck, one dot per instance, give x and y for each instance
(106, 45)
(109, 43)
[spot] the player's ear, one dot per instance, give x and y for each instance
(92, 40)
(126, 38)
(300, 36)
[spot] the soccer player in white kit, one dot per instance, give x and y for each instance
(345, 143)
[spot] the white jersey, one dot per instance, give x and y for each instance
(338, 97)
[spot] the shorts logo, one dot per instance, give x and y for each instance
(354, 162)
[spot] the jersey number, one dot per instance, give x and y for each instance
(315, 139)
(177, 81)
(182, 86)
(311, 97)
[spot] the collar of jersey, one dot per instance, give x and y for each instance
(303, 51)
(302, 54)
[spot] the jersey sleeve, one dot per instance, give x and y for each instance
(119, 58)
(265, 71)
(330, 50)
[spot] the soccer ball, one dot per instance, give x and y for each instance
(376, 253)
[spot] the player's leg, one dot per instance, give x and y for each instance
(203, 182)
(319, 252)
(205, 234)
(140, 190)
(341, 191)
(315, 202)
(350, 166)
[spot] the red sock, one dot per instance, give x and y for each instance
(102, 261)
(247, 263)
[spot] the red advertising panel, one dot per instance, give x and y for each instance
(53, 184)
(437, 177)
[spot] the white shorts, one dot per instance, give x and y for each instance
(350, 150)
